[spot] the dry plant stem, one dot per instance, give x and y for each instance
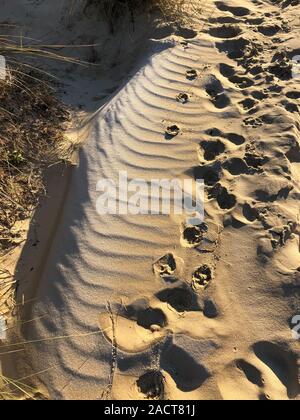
(114, 350)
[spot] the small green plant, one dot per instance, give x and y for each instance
(15, 158)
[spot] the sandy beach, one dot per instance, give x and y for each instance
(152, 306)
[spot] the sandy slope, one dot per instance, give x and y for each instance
(167, 336)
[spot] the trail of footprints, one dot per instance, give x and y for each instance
(223, 157)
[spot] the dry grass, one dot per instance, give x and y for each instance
(31, 137)
(32, 123)
(113, 10)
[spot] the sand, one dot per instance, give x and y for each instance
(125, 328)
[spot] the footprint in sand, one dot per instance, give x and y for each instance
(254, 160)
(290, 106)
(152, 385)
(202, 277)
(191, 74)
(225, 31)
(183, 98)
(236, 166)
(281, 367)
(211, 174)
(270, 373)
(172, 131)
(251, 372)
(225, 200)
(236, 11)
(216, 92)
(192, 236)
(269, 30)
(136, 327)
(152, 319)
(234, 138)
(249, 105)
(167, 268)
(293, 94)
(187, 373)
(181, 298)
(241, 81)
(231, 74)
(225, 20)
(210, 150)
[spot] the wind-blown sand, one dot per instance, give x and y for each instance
(167, 336)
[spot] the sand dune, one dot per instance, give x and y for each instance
(206, 321)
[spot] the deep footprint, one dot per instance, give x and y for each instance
(182, 299)
(212, 149)
(236, 11)
(152, 385)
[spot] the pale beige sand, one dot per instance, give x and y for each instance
(240, 128)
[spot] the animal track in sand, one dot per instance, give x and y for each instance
(241, 81)
(259, 95)
(225, 20)
(248, 104)
(183, 98)
(249, 213)
(267, 196)
(211, 149)
(165, 267)
(210, 310)
(211, 174)
(236, 11)
(152, 385)
(172, 131)
(282, 362)
(234, 48)
(236, 166)
(188, 374)
(202, 277)
(226, 70)
(215, 90)
(234, 138)
(221, 101)
(186, 33)
(213, 86)
(269, 30)
(152, 319)
(251, 372)
(280, 236)
(290, 106)
(293, 154)
(225, 31)
(192, 236)
(293, 95)
(255, 161)
(281, 66)
(180, 298)
(225, 200)
(191, 74)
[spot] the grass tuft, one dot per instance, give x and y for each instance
(32, 124)
(114, 10)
